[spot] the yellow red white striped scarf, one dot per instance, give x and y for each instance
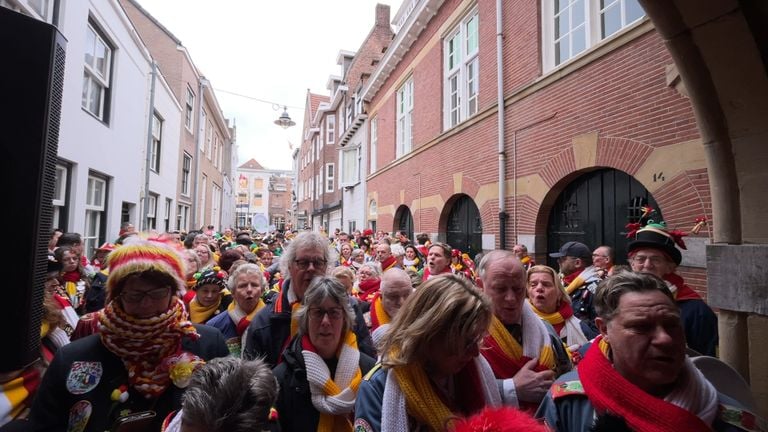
(536, 340)
(333, 397)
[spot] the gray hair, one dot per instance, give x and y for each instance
(230, 394)
(243, 269)
(496, 254)
(356, 253)
(610, 290)
(394, 275)
(397, 250)
(305, 240)
(374, 266)
(321, 288)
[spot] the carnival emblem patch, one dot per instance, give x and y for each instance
(362, 426)
(84, 377)
(79, 415)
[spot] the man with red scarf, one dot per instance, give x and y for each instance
(524, 352)
(652, 250)
(636, 375)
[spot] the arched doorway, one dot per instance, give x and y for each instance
(464, 227)
(404, 220)
(594, 209)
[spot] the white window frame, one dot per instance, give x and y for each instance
(95, 206)
(152, 211)
(374, 143)
(182, 217)
(461, 84)
(589, 31)
(157, 136)
(330, 129)
(96, 79)
(189, 110)
(330, 177)
(42, 8)
(209, 141)
(59, 193)
(167, 220)
(404, 124)
(186, 170)
(350, 166)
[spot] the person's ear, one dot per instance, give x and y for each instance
(602, 326)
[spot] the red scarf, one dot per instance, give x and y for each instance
(388, 263)
(557, 318)
(427, 274)
(368, 289)
(684, 292)
(71, 276)
(568, 279)
(609, 391)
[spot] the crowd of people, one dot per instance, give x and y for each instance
(365, 331)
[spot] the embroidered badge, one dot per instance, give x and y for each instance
(742, 419)
(362, 426)
(79, 415)
(566, 388)
(84, 377)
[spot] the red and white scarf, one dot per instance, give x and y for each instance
(692, 404)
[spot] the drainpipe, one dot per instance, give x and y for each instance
(501, 150)
(148, 161)
(203, 83)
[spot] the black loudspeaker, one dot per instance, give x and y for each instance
(31, 85)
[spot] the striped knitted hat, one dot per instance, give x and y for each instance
(140, 256)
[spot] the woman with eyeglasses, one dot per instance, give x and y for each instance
(431, 371)
(321, 369)
(142, 357)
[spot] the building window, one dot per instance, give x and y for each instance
(96, 73)
(167, 219)
(95, 210)
(157, 134)
(330, 175)
(182, 217)
(318, 187)
(374, 142)
(60, 194)
(330, 129)
(258, 199)
(189, 110)
(152, 211)
(404, 118)
(203, 196)
(216, 205)
(350, 166)
(352, 226)
(43, 8)
(209, 140)
(572, 26)
(258, 183)
(186, 169)
(461, 71)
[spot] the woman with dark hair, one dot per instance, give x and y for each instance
(321, 369)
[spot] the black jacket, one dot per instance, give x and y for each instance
(269, 331)
(295, 411)
(64, 392)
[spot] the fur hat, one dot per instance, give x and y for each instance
(140, 256)
(211, 276)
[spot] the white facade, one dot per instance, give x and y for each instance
(353, 161)
(103, 139)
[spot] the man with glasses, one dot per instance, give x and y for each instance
(306, 257)
(580, 279)
(653, 250)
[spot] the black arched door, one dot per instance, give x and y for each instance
(404, 220)
(464, 230)
(594, 210)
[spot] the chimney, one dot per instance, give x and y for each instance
(382, 15)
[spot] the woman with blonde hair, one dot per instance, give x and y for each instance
(551, 303)
(431, 371)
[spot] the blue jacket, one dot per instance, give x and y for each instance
(573, 412)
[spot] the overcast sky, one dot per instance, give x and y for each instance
(270, 50)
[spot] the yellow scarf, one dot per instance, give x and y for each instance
(514, 350)
(199, 314)
(420, 398)
(553, 318)
(382, 317)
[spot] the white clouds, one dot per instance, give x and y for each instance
(270, 50)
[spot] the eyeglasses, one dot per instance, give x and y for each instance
(599, 256)
(304, 263)
(334, 314)
(655, 260)
(138, 296)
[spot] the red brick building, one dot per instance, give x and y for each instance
(595, 124)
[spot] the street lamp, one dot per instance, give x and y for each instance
(284, 120)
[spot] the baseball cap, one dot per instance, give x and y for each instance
(573, 249)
